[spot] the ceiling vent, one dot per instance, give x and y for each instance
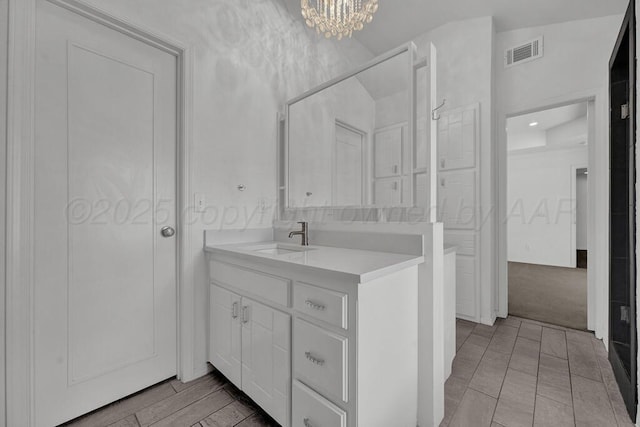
(526, 52)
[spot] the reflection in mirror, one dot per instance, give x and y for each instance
(349, 144)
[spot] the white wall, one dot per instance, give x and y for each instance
(250, 57)
(574, 67)
(392, 109)
(465, 77)
(573, 132)
(542, 206)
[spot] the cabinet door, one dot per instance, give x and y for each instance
(388, 192)
(388, 152)
(457, 135)
(466, 287)
(225, 341)
(457, 199)
(266, 367)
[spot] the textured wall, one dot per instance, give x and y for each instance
(250, 57)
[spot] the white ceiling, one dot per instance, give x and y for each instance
(520, 135)
(399, 21)
(546, 119)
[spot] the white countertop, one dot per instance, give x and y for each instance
(363, 265)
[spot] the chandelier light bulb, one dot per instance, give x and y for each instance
(338, 18)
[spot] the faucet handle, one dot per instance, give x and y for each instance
(303, 223)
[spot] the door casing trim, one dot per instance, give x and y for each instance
(20, 241)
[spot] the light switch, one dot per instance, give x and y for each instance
(199, 202)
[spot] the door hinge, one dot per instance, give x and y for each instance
(624, 314)
(624, 111)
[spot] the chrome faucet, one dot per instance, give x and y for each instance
(304, 233)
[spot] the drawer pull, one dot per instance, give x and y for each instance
(314, 360)
(245, 315)
(314, 305)
(234, 310)
(307, 423)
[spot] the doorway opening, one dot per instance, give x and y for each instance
(547, 210)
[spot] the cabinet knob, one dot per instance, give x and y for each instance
(442, 163)
(307, 423)
(245, 313)
(234, 310)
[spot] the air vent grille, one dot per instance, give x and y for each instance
(524, 53)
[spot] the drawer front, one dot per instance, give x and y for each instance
(322, 304)
(321, 359)
(271, 288)
(312, 410)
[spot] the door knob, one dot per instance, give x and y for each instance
(167, 231)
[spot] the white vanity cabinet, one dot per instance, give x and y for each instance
(250, 344)
(315, 347)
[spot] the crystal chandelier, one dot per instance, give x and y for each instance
(338, 18)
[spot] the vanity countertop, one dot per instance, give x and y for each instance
(362, 265)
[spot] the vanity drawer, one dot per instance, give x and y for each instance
(321, 359)
(320, 303)
(312, 410)
(271, 288)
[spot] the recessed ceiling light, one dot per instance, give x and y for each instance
(532, 124)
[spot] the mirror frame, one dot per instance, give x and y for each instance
(283, 135)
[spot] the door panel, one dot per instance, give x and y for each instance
(457, 140)
(105, 280)
(266, 367)
(388, 152)
(225, 349)
(457, 199)
(347, 181)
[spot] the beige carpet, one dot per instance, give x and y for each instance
(554, 295)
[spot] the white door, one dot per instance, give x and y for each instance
(226, 330)
(347, 180)
(105, 179)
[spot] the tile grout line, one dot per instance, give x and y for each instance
(606, 388)
(535, 395)
(505, 375)
(573, 406)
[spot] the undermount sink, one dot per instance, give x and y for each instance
(277, 249)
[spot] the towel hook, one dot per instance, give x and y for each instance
(434, 112)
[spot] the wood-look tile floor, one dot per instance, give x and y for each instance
(516, 373)
(210, 401)
(525, 373)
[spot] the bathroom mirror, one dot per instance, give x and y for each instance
(350, 142)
